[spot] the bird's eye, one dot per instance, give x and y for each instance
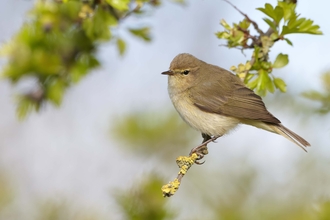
(186, 72)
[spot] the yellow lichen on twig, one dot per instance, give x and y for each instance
(184, 164)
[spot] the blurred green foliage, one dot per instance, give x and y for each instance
(6, 192)
(282, 20)
(57, 45)
(238, 192)
(322, 97)
(143, 202)
(235, 192)
(63, 210)
(157, 133)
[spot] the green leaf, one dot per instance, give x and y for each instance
(248, 77)
(271, 24)
(274, 36)
(222, 35)
(276, 14)
(295, 22)
(225, 24)
(302, 26)
(279, 14)
(24, 107)
(281, 61)
(265, 82)
(253, 84)
(256, 64)
(262, 80)
(288, 9)
(280, 84)
(270, 86)
(268, 10)
(120, 5)
(83, 64)
(288, 41)
(244, 24)
(265, 65)
(98, 27)
(143, 33)
(121, 45)
(55, 92)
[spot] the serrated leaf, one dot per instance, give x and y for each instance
(121, 46)
(294, 22)
(279, 14)
(301, 26)
(268, 10)
(143, 33)
(305, 24)
(281, 61)
(280, 84)
(288, 9)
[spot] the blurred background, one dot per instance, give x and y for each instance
(107, 150)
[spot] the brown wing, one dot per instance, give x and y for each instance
(231, 99)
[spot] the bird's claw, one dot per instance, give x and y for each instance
(201, 152)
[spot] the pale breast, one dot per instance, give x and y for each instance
(208, 123)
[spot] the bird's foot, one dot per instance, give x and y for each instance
(201, 150)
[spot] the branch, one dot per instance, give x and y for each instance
(255, 25)
(185, 163)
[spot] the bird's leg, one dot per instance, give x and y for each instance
(201, 150)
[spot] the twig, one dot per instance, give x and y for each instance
(184, 164)
(255, 25)
(255, 40)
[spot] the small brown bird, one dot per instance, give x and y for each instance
(213, 101)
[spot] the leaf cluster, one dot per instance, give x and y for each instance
(282, 20)
(57, 47)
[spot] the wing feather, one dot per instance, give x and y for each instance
(227, 95)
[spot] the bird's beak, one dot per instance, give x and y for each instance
(169, 72)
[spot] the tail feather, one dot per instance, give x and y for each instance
(290, 135)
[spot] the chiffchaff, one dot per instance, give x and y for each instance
(213, 101)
